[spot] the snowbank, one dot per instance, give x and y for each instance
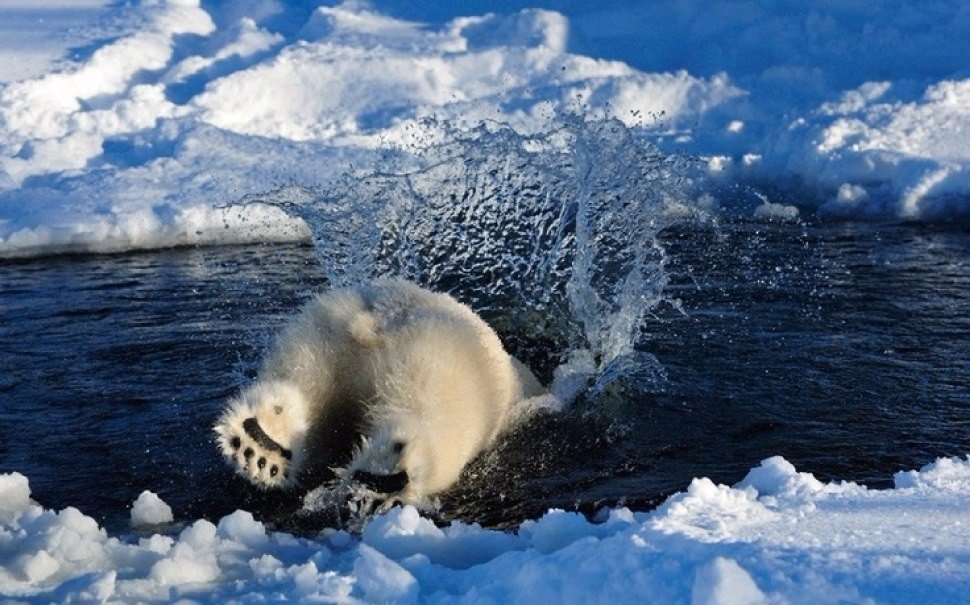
(839, 94)
(169, 108)
(777, 536)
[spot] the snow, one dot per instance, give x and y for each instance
(149, 509)
(724, 582)
(36, 36)
(121, 124)
(777, 536)
(16, 495)
(159, 123)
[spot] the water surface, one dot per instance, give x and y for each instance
(843, 347)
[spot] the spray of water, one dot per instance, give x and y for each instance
(552, 237)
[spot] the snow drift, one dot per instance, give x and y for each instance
(132, 124)
(778, 536)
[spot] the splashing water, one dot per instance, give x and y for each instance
(551, 237)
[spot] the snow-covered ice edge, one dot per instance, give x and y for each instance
(166, 109)
(778, 536)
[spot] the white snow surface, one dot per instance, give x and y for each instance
(778, 536)
(149, 509)
(134, 125)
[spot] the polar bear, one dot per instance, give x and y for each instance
(393, 386)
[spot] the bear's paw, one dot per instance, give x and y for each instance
(262, 436)
(376, 478)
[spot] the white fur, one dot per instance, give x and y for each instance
(392, 362)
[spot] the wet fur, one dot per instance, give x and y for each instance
(387, 382)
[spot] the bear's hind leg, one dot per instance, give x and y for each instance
(376, 477)
(263, 434)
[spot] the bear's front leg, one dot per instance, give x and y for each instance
(377, 475)
(263, 433)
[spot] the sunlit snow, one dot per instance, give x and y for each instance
(125, 124)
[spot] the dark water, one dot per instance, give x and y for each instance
(843, 347)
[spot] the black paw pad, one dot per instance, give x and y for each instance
(257, 434)
(382, 484)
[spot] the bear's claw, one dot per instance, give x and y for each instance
(255, 455)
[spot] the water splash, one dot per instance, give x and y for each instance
(552, 237)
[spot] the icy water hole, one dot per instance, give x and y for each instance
(699, 348)
(843, 347)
